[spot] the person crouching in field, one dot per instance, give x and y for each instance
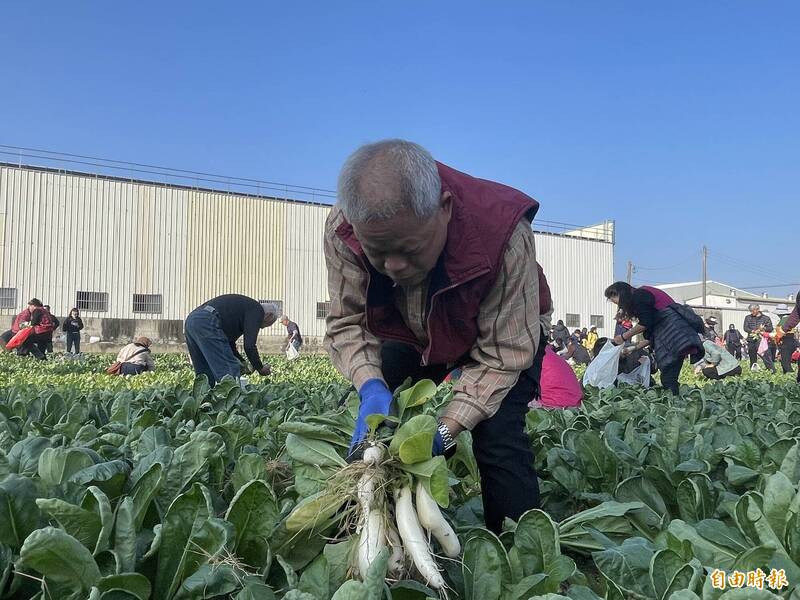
(212, 329)
(791, 324)
(718, 363)
(135, 358)
(670, 328)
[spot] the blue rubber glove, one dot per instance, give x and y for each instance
(375, 399)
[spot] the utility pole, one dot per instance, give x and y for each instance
(705, 273)
(630, 272)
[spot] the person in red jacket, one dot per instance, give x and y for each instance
(16, 325)
(428, 269)
(43, 326)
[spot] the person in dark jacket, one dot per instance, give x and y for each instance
(293, 336)
(710, 333)
(670, 328)
(789, 341)
(756, 324)
(212, 329)
(733, 341)
(575, 350)
(560, 334)
(72, 327)
(56, 323)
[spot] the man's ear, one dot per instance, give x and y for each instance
(446, 205)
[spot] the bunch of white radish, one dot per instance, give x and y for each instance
(406, 534)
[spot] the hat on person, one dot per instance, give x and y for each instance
(142, 341)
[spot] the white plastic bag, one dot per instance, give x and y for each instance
(602, 371)
(291, 352)
(639, 376)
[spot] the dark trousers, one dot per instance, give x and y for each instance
(6, 336)
(500, 444)
(669, 376)
(209, 347)
(74, 342)
(735, 350)
(788, 345)
(768, 357)
(127, 368)
(712, 373)
(36, 345)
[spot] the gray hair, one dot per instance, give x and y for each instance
(754, 307)
(269, 309)
(379, 180)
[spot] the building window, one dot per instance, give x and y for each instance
(573, 320)
(596, 321)
(8, 297)
(323, 308)
(92, 301)
(147, 303)
(278, 303)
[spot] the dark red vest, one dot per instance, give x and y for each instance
(484, 216)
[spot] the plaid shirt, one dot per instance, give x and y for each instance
(508, 324)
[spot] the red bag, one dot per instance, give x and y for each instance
(19, 338)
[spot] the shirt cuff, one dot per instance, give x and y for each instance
(364, 372)
(465, 411)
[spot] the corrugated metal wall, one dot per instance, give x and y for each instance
(61, 233)
(578, 271)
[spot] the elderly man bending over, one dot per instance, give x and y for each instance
(429, 269)
(212, 329)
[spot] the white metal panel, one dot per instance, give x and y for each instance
(578, 272)
(68, 232)
(306, 276)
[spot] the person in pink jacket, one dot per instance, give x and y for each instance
(560, 387)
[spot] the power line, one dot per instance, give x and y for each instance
(689, 258)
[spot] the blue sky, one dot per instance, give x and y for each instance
(678, 120)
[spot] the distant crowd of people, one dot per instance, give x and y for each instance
(211, 330)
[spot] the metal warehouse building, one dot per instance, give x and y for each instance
(137, 255)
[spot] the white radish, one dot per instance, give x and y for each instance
(372, 540)
(366, 484)
(397, 558)
(414, 538)
(430, 517)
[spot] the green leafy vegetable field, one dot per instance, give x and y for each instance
(158, 487)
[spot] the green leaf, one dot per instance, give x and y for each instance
(57, 465)
(198, 460)
(23, 457)
(125, 535)
(352, 590)
(108, 476)
(314, 510)
(19, 514)
(628, 566)
(536, 540)
(485, 567)
(748, 594)
(409, 589)
(135, 584)
(434, 475)
(315, 579)
(191, 535)
(60, 558)
(208, 582)
(711, 554)
(144, 491)
(778, 495)
(413, 440)
(254, 512)
(82, 524)
(416, 395)
(339, 556)
(247, 468)
(312, 452)
(96, 501)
